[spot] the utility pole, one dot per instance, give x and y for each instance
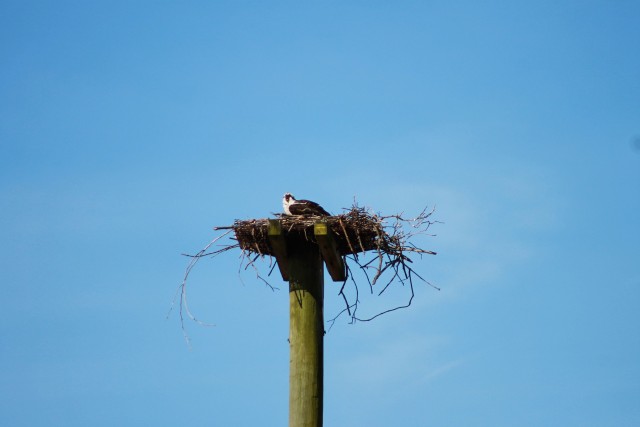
(306, 334)
(301, 263)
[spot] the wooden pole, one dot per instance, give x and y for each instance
(306, 333)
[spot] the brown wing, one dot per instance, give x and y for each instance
(307, 207)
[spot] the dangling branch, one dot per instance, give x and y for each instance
(182, 288)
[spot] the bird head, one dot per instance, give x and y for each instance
(288, 198)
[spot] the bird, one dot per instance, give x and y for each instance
(301, 207)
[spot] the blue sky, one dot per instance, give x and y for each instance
(129, 129)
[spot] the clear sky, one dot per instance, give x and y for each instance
(129, 129)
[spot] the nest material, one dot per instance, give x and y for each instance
(354, 232)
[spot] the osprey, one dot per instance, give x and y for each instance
(301, 207)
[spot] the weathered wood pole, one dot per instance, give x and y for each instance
(306, 333)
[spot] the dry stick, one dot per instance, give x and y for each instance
(346, 235)
(375, 279)
(183, 290)
(251, 263)
(360, 241)
(395, 308)
(347, 305)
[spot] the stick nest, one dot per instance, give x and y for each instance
(354, 232)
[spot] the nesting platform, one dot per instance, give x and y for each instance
(355, 231)
(350, 233)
